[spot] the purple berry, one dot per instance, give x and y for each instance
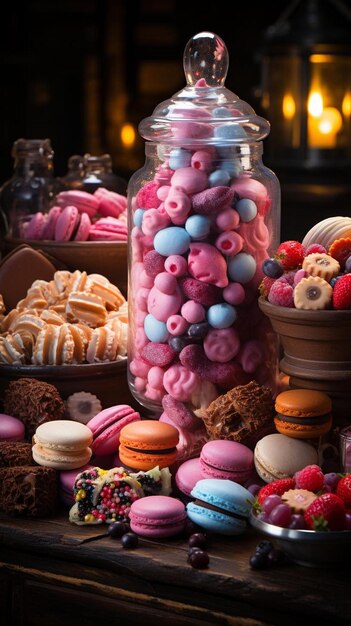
(348, 265)
(198, 540)
(347, 521)
(271, 502)
(280, 516)
(272, 268)
(331, 480)
(254, 489)
(263, 516)
(297, 521)
(117, 529)
(258, 560)
(199, 559)
(129, 541)
(264, 547)
(275, 557)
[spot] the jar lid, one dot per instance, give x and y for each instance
(32, 147)
(205, 111)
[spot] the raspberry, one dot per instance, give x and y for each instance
(147, 197)
(281, 293)
(265, 286)
(342, 293)
(340, 250)
(290, 254)
(310, 478)
(315, 247)
(276, 487)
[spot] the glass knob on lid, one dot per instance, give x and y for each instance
(205, 111)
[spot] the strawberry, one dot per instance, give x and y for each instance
(290, 254)
(327, 512)
(277, 487)
(342, 293)
(310, 477)
(265, 285)
(343, 489)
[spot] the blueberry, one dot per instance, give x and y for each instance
(275, 557)
(117, 529)
(198, 331)
(198, 540)
(199, 559)
(178, 343)
(272, 268)
(258, 560)
(348, 265)
(129, 541)
(264, 547)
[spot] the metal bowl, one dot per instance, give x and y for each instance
(308, 547)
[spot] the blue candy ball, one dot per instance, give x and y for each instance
(221, 112)
(178, 157)
(221, 315)
(172, 240)
(219, 178)
(138, 217)
(155, 330)
(198, 226)
(247, 209)
(241, 267)
(232, 130)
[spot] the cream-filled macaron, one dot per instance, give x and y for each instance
(62, 444)
(278, 456)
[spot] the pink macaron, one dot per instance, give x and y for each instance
(83, 201)
(106, 427)
(110, 203)
(50, 224)
(187, 475)
(66, 223)
(35, 226)
(83, 229)
(109, 229)
(226, 459)
(157, 516)
(11, 428)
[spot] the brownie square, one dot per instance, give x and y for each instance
(14, 453)
(28, 490)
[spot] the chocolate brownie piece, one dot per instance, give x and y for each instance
(34, 402)
(30, 491)
(14, 453)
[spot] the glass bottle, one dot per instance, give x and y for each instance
(98, 173)
(73, 179)
(32, 186)
(204, 212)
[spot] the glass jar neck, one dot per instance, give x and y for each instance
(248, 154)
(97, 164)
(33, 157)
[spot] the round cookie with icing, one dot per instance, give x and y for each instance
(303, 413)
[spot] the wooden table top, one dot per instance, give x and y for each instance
(278, 595)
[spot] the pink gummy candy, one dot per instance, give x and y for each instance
(177, 205)
(177, 325)
(175, 264)
(229, 243)
(213, 200)
(251, 356)
(203, 160)
(162, 305)
(222, 345)
(234, 293)
(190, 441)
(155, 220)
(166, 283)
(225, 375)
(139, 367)
(204, 293)
(247, 187)
(179, 413)
(193, 312)
(189, 179)
(147, 196)
(162, 192)
(155, 377)
(153, 263)
(160, 354)
(191, 130)
(228, 219)
(180, 382)
(207, 264)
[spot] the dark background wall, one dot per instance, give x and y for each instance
(74, 70)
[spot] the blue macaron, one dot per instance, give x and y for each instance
(220, 506)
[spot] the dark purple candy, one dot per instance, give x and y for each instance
(199, 330)
(129, 541)
(198, 559)
(198, 540)
(117, 529)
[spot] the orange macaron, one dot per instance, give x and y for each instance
(147, 443)
(303, 413)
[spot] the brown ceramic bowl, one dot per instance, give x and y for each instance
(108, 258)
(316, 351)
(108, 381)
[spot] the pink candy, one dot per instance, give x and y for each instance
(213, 200)
(206, 263)
(163, 304)
(229, 243)
(147, 196)
(154, 220)
(178, 412)
(225, 375)
(175, 264)
(189, 179)
(222, 345)
(177, 205)
(180, 382)
(193, 312)
(160, 354)
(228, 219)
(177, 325)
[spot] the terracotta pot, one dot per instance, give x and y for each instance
(316, 347)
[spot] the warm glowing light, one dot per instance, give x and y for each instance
(289, 106)
(315, 104)
(128, 135)
(330, 121)
(346, 104)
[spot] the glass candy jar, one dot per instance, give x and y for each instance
(204, 212)
(32, 186)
